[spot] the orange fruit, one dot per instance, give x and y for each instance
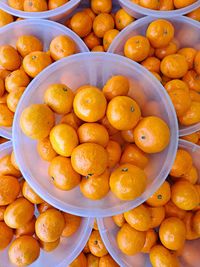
(19, 213)
(98, 48)
(118, 138)
(101, 6)
(107, 261)
(152, 134)
(123, 112)
(196, 62)
(95, 226)
(59, 98)
(35, 5)
(111, 130)
(90, 104)
(196, 222)
(161, 256)
(43, 207)
(119, 219)
(181, 4)
(27, 229)
(192, 115)
(52, 4)
(35, 62)
(151, 4)
(195, 96)
(157, 216)
(96, 244)
(157, 76)
(29, 194)
(172, 233)
(122, 19)
(49, 225)
(193, 80)
(137, 48)
(139, 218)
(80, 261)
(103, 23)
(152, 64)
(129, 240)
(2, 87)
(195, 14)
(97, 187)
(14, 97)
(7, 168)
(132, 154)
(114, 153)
(188, 221)
(24, 251)
(151, 240)
(161, 196)
(5, 18)
(49, 246)
(89, 159)
(86, 249)
(171, 210)
(166, 5)
(182, 163)
(93, 133)
(36, 121)
(90, 12)
(176, 84)
(191, 138)
(2, 210)
(45, 149)
(184, 195)
(91, 40)
(181, 101)
(9, 57)
(4, 73)
(27, 44)
(174, 66)
(16, 80)
(62, 174)
(72, 120)
(192, 175)
(72, 223)
(189, 54)
(62, 46)
(3, 101)
(81, 23)
(117, 85)
(170, 49)
(160, 33)
(128, 135)
(127, 182)
(108, 38)
(6, 235)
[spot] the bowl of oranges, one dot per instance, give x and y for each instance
(34, 9)
(172, 57)
(101, 133)
(28, 47)
(173, 210)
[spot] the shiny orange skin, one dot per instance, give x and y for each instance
(91, 40)
(72, 223)
(45, 149)
(35, 5)
(9, 189)
(90, 12)
(184, 195)
(192, 176)
(160, 33)
(117, 85)
(129, 240)
(72, 120)
(127, 182)
(128, 135)
(43, 207)
(80, 261)
(151, 240)
(166, 5)
(49, 225)
(170, 49)
(181, 4)
(196, 223)
(171, 210)
(103, 23)
(152, 134)
(174, 66)
(101, 6)
(9, 57)
(192, 115)
(5, 18)
(157, 216)
(97, 187)
(161, 196)
(182, 163)
(62, 174)
(7, 168)
(122, 19)
(16, 79)
(35, 62)
(27, 229)
(107, 261)
(176, 84)
(190, 54)
(89, 159)
(123, 112)
(27, 44)
(152, 64)
(81, 23)
(24, 251)
(188, 221)
(29, 194)
(14, 97)
(132, 154)
(52, 4)
(137, 48)
(193, 80)
(108, 38)
(119, 220)
(19, 213)
(161, 256)
(114, 153)
(111, 130)
(151, 4)
(62, 46)
(96, 244)
(195, 14)
(98, 48)
(6, 235)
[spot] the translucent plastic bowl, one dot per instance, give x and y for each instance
(95, 69)
(45, 30)
(68, 249)
(108, 230)
(139, 11)
(186, 32)
(55, 14)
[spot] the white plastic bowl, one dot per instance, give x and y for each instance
(68, 249)
(95, 69)
(138, 11)
(108, 229)
(45, 30)
(55, 14)
(186, 32)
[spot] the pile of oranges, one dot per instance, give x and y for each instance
(177, 68)
(167, 219)
(81, 149)
(21, 64)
